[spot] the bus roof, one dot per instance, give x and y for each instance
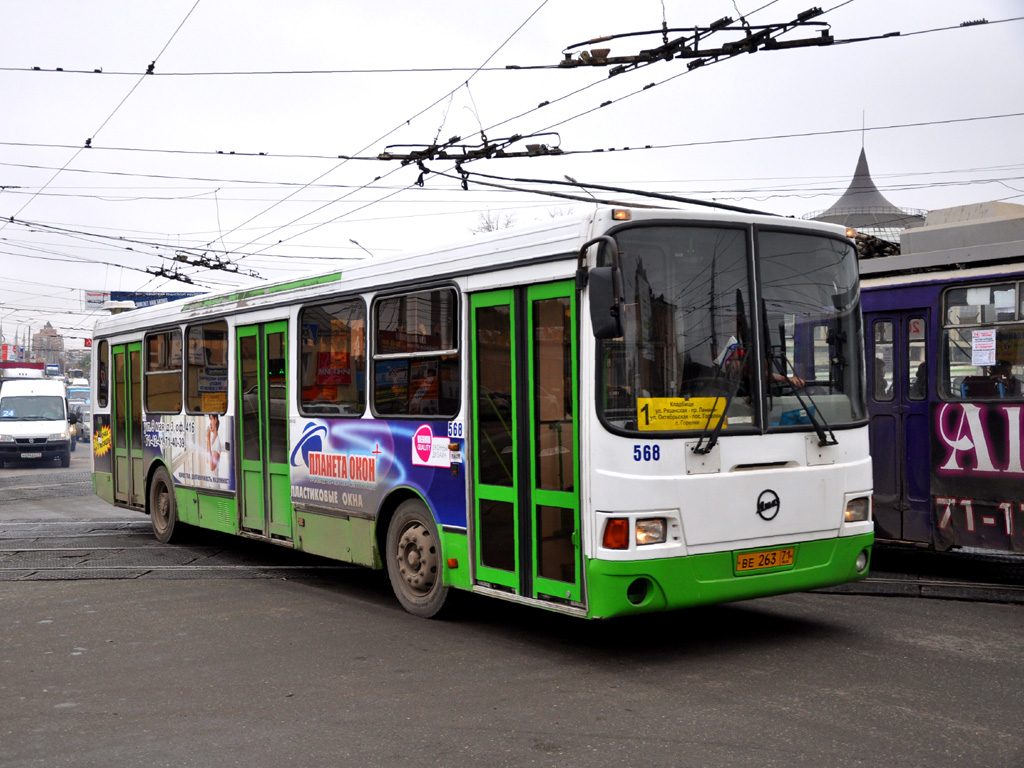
(561, 236)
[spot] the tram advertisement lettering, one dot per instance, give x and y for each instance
(978, 475)
(349, 465)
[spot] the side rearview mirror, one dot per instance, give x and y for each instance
(604, 304)
(603, 286)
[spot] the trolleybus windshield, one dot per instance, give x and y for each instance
(691, 335)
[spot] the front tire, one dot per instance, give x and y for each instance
(163, 509)
(65, 459)
(414, 560)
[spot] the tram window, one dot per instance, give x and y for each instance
(881, 389)
(981, 304)
(333, 359)
(983, 343)
(102, 374)
(163, 372)
(416, 359)
(917, 359)
(206, 370)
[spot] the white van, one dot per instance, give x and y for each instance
(34, 421)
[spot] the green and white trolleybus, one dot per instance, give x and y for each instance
(634, 410)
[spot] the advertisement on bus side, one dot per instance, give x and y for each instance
(196, 448)
(349, 465)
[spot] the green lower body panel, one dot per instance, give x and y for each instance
(188, 505)
(350, 540)
(103, 486)
(618, 588)
(455, 548)
(218, 513)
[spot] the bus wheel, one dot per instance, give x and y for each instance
(414, 559)
(163, 512)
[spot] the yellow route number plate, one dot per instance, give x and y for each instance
(769, 558)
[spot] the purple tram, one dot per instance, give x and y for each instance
(944, 326)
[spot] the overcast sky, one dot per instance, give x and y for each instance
(230, 148)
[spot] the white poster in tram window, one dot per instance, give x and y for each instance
(983, 347)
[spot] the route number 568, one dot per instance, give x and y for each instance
(646, 453)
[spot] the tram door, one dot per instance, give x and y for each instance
(525, 443)
(901, 379)
(126, 388)
(264, 492)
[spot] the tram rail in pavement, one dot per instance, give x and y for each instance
(42, 511)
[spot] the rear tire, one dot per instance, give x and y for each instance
(163, 509)
(414, 560)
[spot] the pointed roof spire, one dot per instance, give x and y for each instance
(862, 196)
(863, 207)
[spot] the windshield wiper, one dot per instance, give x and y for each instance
(743, 350)
(782, 363)
(712, 439)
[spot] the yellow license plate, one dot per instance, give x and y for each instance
(769, 558)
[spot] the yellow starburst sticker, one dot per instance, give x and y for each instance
(101, 441)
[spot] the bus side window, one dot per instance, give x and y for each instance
(416, 355)
(917, 359)
(163, 372)
(102, 377)
(206, 368)
(332, 373)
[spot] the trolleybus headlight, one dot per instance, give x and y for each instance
(650, 530)
(858, 510)
(616, 533)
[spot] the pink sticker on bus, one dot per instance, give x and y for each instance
(429, 451)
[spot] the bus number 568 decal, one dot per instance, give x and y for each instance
(646, 453)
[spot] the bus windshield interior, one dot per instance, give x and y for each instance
(692, 336)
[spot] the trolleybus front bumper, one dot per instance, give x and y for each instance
(617, 588)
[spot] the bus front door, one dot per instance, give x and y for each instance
(126, 386)
(900, 385)
(526, 517)
(264, 492)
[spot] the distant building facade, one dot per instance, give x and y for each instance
(48, 346)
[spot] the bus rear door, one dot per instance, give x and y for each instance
(525, 441)
(126, 383)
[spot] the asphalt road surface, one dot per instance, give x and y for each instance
(118, 651)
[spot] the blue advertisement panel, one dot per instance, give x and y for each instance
(349, 465)
(195, 448)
